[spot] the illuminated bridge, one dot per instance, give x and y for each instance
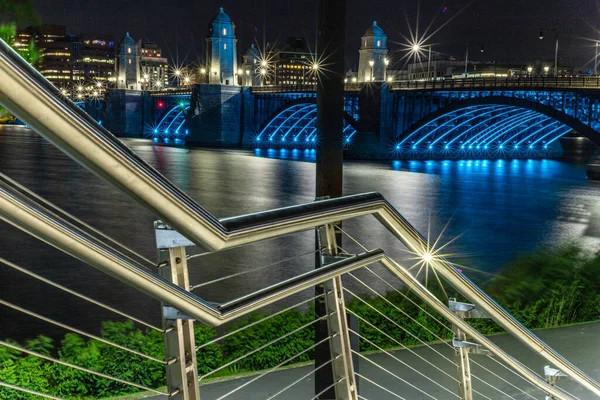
(454, 118)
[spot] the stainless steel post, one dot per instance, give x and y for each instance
(463, 370)
(180, 348)
(337, 325)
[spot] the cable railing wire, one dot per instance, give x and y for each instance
(361, 337)
(386, 282)
(66, 214)
(394, 375)
(409, 299)
(252, 270)
(512, 371)
(320, 342)
(78, 331)
(328, 388)
(491, 386)
(404, 347)
(77, 294)
(501, 378)
(396, 307)
(89, 371)
(29, 391)
(270, 343)
(303, 302)
(311, 372)
(401, 327)
(364, 378)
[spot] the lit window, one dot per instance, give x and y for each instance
(129, 61)
(129, 50)
(225, 46)
(379, 43)
(365, 43)
(224, 31)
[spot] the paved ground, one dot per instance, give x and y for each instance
(580, 344)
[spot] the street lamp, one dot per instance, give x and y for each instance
(529, 70)
(555, 49)
(371, 63)
(386, 62)
(263, 73)
(596, 59)
(481, 49)
(546, 69)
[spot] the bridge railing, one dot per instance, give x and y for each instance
(31, 98)
(537, 83)
(310, 88)
(501, 83)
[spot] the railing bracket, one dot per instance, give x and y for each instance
(466, 310)
(173, 313)
(167, 238)
(473, 348)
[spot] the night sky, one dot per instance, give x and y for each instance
(509, 28)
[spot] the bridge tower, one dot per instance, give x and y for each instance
(128, 65)
(221, 51)
(373, 50)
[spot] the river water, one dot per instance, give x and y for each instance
(496, 210)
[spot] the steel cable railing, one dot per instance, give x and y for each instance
(78, 295)
(29, 96)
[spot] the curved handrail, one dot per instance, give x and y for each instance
(33, 99)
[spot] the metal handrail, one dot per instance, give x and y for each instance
(26, 93)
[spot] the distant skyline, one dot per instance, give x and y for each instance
(509, 29)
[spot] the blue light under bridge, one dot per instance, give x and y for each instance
(483, 131)
(172, 125)
(295, 127)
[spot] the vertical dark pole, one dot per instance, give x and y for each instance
(330, 124)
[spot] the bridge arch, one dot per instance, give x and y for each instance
(493, 123)
(172, 124)
(294, 125)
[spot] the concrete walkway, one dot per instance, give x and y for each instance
(580, 344)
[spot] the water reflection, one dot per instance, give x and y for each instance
(500, 207)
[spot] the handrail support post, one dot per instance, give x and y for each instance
(182, 374)
(465, 390)
(337, 323)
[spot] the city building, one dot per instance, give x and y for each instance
(250, 75)
(65, 59)
(294, 64)
(373, 61)
(221, 54)
(55, 51)
(93, 58)
(154, 68)
(128, 65)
